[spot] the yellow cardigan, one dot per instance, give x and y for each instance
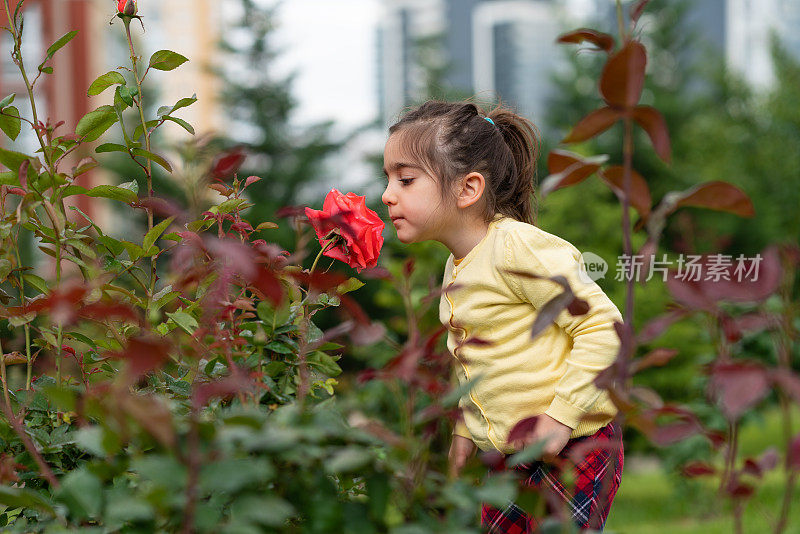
(520, 377)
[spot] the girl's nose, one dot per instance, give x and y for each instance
(387, 197)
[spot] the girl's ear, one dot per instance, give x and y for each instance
(470, 190)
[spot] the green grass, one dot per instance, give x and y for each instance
(654, 502)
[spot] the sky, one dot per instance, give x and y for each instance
(332, 46)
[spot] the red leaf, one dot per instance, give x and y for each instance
(595, 123)
(794, 453)
(745, 280)
(522, 429)
(251, 180)
(602, 41)
(788, 382)
(623, 76)
(720, 196)
(739, 490)
(640, 192)
(269, 285)
(228, 163)
(225, 387)
(143, 355)
(636, 10)
(739, 385)
(654, 358)
(674, 432)
(575, 173)
(697, 469)
(578, 307)
(656, 327)
(768, 460)
(651, 120)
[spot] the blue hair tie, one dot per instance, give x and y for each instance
(490, 120)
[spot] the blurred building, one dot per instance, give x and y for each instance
(506, 48)
(514, 52)
(751, 27)
(499, 48)
(189, 27)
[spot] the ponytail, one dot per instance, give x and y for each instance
(452, 139)
(519, 199)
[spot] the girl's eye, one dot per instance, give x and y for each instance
(406, 181)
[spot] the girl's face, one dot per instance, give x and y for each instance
(413, 197)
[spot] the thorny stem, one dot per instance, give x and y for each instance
(782, 340)
(730, 454)
(17, 57)
(26, 326)
(148, 170)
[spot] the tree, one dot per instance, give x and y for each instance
(260, 104)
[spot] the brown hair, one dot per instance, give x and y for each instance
(452, 139)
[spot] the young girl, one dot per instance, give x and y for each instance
(463, 177)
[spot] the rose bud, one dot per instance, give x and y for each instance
(126, 7)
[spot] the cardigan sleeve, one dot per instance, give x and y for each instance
(595, 341)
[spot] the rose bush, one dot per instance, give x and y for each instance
(348, 230)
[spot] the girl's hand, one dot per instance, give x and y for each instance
(556, 433)
(460, 451)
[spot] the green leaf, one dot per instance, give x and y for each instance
(137, 133)
(73, 190)
(82, 492)
(528, 454)
(105, 81)
(266, 510)
(187, 323)
(152, 157)
(10, 122)
(24, 498)
(127, 94)
(7, 101)
(84, 249)
(12, 160)
(64, 39)
(95, 123)
(266, 226)
(186, 126)
(324, 363)
(111, 147)
(134, 251)
(46, 70)
(182, 103)
(166, 60)
(347, 460)
(350, 285)
(277, 346)
(232, 475)
(163, 471)
(5, 269)
(231, 204)
(113, 192)
(120, 104)
(129, 508)
(36, 282)
(154, 233)
(133, 185)
(113, 245)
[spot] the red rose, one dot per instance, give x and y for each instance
(348, 230)
(126, 7)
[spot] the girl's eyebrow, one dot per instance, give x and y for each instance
(400, 165)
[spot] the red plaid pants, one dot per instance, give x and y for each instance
(596, 463)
